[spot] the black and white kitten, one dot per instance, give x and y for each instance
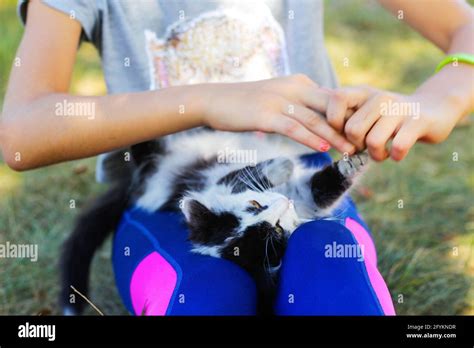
(244, 212)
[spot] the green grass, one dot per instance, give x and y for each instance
(10, 36)
(425, 249)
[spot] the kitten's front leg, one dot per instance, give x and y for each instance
(329, 184)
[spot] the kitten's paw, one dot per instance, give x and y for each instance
(351, 166)
(360, 159)
(279, 170)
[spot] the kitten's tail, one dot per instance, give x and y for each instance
(91, 229)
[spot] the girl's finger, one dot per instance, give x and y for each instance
(378, 137)
(301, 89)
(340, 105)
(293, 129)
(336, 111)
(314, 97)
(361, 122)
(406, 137)
(316, 123)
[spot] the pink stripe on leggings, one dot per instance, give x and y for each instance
(370, 260)
(152, 285)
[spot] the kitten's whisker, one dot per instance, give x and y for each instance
(249, 184)
(259, 180)
(269, 264)
(247, 179)
(266, 260)
(273, 245)
(255, 179)
(244, 178)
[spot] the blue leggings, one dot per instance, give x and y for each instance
(329, 268)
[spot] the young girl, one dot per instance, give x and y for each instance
(175, 65)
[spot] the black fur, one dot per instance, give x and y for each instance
(142, 152)
(208, 228)
(328, 185)
(259, 249)
(144, 156)
(191, 179)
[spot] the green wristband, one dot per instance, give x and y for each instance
(458, 58)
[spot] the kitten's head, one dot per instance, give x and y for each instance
(242, 218)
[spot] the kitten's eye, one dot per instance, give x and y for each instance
(278, 228)
(255, 204)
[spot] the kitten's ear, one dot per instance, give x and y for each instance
(278, 170)
(194, 211)
(206, 227)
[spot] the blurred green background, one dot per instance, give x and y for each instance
(425, 249)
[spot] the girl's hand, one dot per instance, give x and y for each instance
(292, 106)
(380, 116)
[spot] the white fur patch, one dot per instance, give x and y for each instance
(214, 251)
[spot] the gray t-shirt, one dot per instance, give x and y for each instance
(147, 44)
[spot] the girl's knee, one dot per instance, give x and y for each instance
(332, 236)
(217, 287)
(319, 233)
(325, 272)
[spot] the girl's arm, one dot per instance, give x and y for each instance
(36, 131)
